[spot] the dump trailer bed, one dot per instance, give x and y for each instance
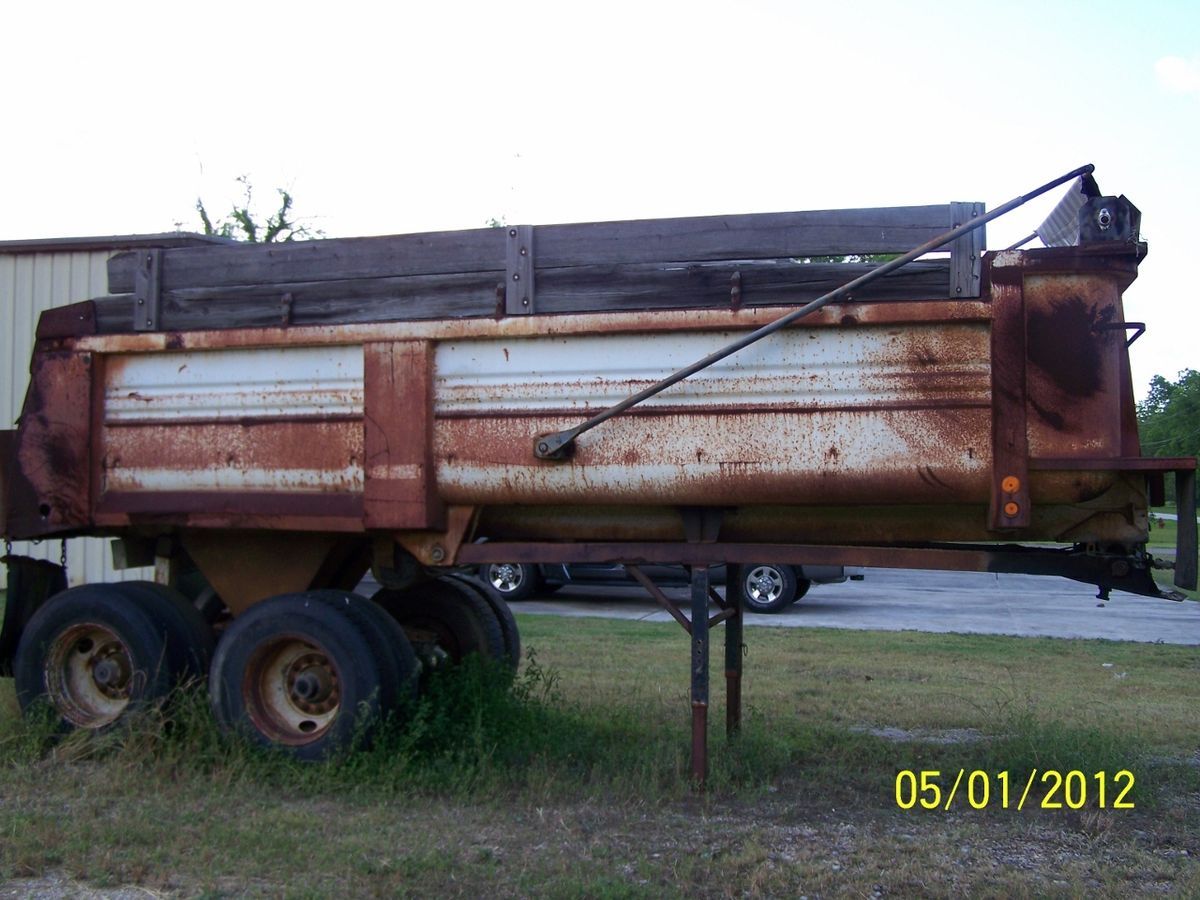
(900, 422)
(281, 418)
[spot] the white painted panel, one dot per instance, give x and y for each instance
(812, 368)
(295, 382)
(234, 478)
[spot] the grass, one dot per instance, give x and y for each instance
(576, 782)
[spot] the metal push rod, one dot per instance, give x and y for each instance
(557, 445)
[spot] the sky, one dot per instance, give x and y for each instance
(402, 117)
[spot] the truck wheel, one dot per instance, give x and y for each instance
(298, 673)
(767, 588)
(92, 653)
(508, 623)
(511, 582)
(190, 640)
(450, 615)
(391, 646)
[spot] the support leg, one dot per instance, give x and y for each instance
(700, 675)
(733, 662)
(1185, 541)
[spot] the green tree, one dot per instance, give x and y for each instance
(1169, 417)
(242, 224)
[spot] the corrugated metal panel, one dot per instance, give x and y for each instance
(31, 283)
(864, 368)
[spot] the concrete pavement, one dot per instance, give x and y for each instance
(935, 601)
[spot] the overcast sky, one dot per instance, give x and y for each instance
(442, 115)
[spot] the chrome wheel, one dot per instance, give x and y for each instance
(764, 585)
(506, 578)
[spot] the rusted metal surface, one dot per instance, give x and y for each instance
(871, 424)
(1009, 506)
(659, 597)
(74, 320)
(441, 547)
(399, 490)
(244, 567)
(657, 322)
(52, 493)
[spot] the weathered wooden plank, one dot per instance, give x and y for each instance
(593, 288)
(435, 253)
(707, 238)
(836, 232)
(562, 290)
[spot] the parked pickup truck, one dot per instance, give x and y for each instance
(764, 588)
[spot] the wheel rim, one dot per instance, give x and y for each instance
(764, 584)
(89, 675)
(506, 577)
(292, 690)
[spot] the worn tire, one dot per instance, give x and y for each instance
(190, 640)
(766, 588)
(401, 670)
(461, 621)
(508, 623)
(511, 582)
(94, 654)
(299, 673)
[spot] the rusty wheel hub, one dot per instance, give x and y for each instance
(291, 689)
(89, 675)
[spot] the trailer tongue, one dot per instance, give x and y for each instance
(267, 423)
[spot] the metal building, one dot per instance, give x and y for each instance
(36, 275)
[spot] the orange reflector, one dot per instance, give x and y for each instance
(1011, 484)
(1011, 509)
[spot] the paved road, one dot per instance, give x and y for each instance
(905, 599)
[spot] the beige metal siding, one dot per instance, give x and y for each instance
(31, 283)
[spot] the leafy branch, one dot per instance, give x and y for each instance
(241, 223)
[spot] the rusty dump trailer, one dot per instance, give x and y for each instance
(266, 424)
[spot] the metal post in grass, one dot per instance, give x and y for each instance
(699, 579)
(733, 659)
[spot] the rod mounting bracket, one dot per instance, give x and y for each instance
(555, 446)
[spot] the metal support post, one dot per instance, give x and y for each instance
(733, 660)
(700, 675)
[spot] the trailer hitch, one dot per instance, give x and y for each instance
(558, 445)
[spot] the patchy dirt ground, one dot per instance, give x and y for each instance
(795, 841)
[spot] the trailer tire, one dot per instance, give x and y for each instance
(298, 673)
(508, 623)
(460, 620)
(391, 646)
(511, 582)
(93, 654)
(767, 588)
(190, 640)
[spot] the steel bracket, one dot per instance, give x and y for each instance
(147, 290)
(519, 269)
